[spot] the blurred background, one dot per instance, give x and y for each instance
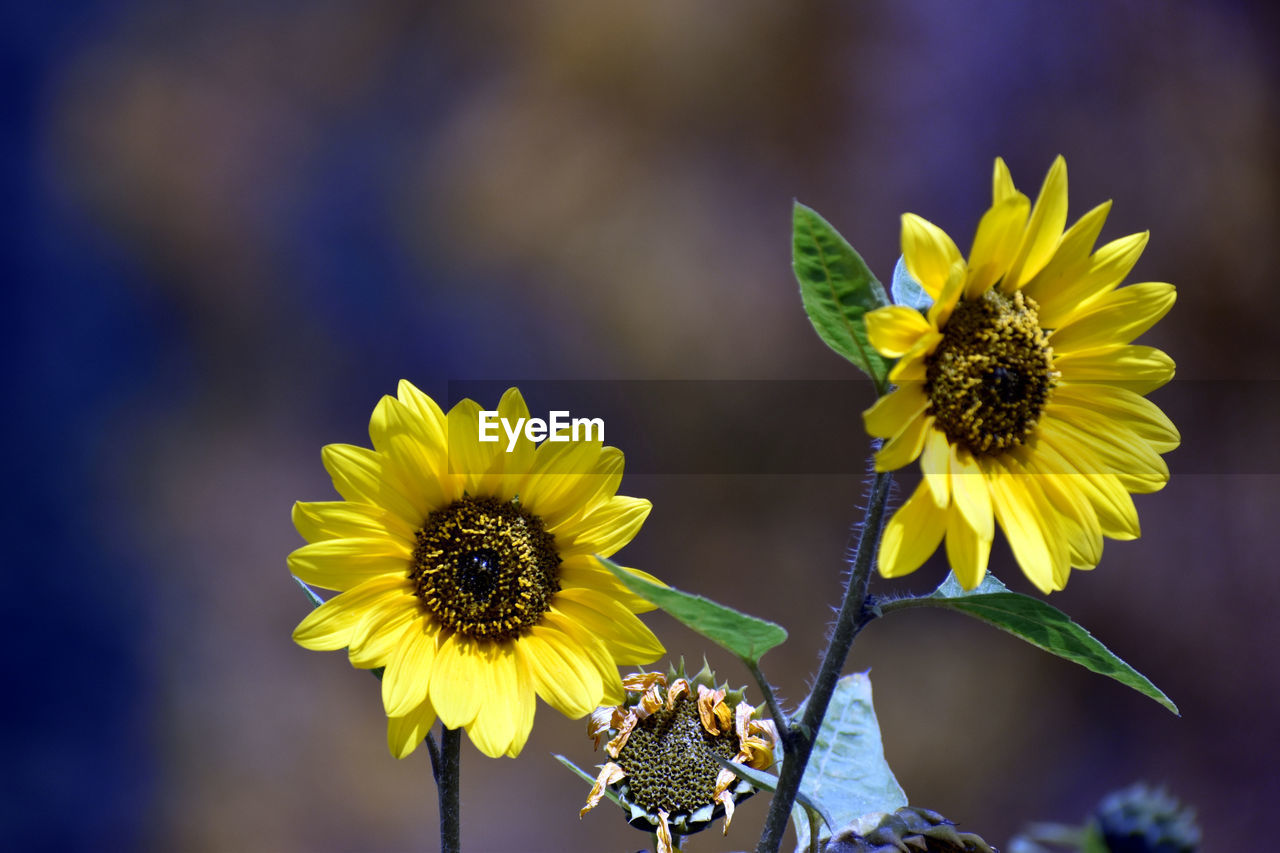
(231, 227)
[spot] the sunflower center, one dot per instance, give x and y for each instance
(486, 568)
(670, 760)
(990, 377)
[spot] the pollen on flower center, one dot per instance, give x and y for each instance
(670, 759)
(991, 375)
(486, 568)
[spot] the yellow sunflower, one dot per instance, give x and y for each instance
(1020, 390)
(467, 572)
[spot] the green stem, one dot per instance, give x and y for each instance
(854, 614)
(780, 718)
(447, 785)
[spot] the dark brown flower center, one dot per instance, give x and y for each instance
(990, 377)
(486, 568)
(670, 760)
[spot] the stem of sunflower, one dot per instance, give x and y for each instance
(780, 718)
(854, 615)
(446, 773)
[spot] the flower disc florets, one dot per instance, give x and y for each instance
(990, 377)
(666, 743)
(486, 568)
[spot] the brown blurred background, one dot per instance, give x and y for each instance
(234, 226)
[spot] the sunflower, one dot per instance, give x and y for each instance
(666, 744)
(468, 572)
(1020, 390)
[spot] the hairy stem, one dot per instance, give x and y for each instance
(446, 772)
(854, 614)
(780, 718)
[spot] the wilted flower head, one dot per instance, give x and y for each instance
(665, 743)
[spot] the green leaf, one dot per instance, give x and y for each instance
(837, 290)
(1043, 626)
(848, 775)
(612, 797)
(906, 290)
(746, 636)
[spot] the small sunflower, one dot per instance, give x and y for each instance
(1020, 390)
(468, 572)
(665, 742)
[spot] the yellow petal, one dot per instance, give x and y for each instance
(375, 639)
(522, 707)
(935, 466)
(507, 475)
(625, 637)
(1072, 296)
(1112, 445)
(904, 447)
(1133, 411)
(586, 572)
(1116, 318)
(928, 252)
(967, 552)
(590, 490)
(470, 458)
(320, 520)
(364, 476)
(1072, 257)
(971, 493)
(1001, 182)
(405, 733)
(410, 670)
(331, 625)
(561, 479)
(398, 435)
(1058, 529)
(1017, 513)
(342, 564)
(895, 410)
(434, 423)
(1117, 516)
(1084, 535)
(561, 672)
(995, 243)
(457, 681)
(609, 527)
(1044, 229)
(940, 310)
(912, 534)
(494, 727)
(1138, 369)
(592, 649)
(911, 367)
(894, 329)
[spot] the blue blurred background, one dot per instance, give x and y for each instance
(230, 227)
